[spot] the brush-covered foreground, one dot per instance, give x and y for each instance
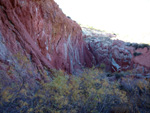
(93, 91)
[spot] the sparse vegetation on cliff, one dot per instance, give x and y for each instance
(137, 46)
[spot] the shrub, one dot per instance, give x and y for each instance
(136, 46)
(137, 54)
(118, 75)
(102, 66)
(138, 94)
(91, 91)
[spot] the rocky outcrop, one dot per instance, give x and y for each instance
(118, 55)
(35, 37)
(38, 30)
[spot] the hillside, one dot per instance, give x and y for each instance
(49, 63)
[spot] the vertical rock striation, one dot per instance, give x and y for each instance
(39, 30)
(35, 36)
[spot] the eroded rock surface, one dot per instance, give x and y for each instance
(118, 55)
(39, 30)
(36, 36)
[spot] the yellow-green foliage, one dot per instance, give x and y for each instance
(91, 91)
(70, 93)
(102, 65)
(139, 95)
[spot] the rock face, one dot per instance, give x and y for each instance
(39, 30)
(35, 36)
(118, 55)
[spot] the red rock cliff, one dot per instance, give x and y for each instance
(39, 30)
(116, 54)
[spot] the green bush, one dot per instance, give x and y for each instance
(102, 66)
(137, 54)
(89, 92)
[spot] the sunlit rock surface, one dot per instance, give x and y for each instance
(40, 31)
(117, 55)
(35, 37)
